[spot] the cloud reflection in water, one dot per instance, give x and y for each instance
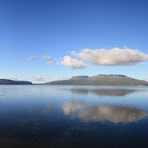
(104, 112)
(71, 108)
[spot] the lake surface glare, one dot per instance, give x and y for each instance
(44, 116)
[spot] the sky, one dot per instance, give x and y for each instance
(44, 40)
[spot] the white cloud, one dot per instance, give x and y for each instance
(40, 79)
(48, 59)
(101, 57)
(72, 63)
(112, 57)
(33, 58)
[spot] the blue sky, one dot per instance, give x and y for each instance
(37, 28)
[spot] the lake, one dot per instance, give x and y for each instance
(36, 116)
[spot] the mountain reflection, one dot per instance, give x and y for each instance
(104, 112)
(105, 92)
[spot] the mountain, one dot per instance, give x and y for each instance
(100, 80)
(14, 82)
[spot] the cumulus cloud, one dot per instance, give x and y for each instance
(48, 59)
(72, 63)
(112, 57)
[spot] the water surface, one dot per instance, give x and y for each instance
(46, 116)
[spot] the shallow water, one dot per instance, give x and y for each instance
(73, 116)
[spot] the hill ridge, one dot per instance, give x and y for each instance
(101, 79)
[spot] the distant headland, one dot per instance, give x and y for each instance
(14, 82)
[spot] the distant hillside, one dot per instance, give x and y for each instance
(100, 80)
(13, 82)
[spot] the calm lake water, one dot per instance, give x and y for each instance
(42, 116)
